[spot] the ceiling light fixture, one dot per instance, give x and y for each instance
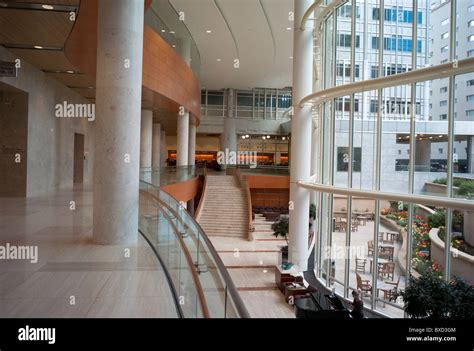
(172, 32)
(39, 47)
(47, 7)
(283, 138)
(208, 31)
(291, 57)
(163, 31)
(70, 72)
(288, 28)
(219, 60)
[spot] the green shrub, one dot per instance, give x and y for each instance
(430, 296)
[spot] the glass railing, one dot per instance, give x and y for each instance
(170, 175)
(202, 285)
(166, 21)
(263, 170)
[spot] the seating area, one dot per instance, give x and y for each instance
(390, 276)
(271, 214)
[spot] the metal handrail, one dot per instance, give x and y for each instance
(377, 195)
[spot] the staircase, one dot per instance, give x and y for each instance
(225, 209)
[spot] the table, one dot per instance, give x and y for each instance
(380, 262)
(294, 289)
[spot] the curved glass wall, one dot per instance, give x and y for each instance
(407, 133)
(170, 24)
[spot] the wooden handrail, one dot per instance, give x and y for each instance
(197, 282)
(198, 213)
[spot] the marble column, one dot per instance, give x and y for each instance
(182, 139)
(156, 145)
(163, 149)
(117, 126)
(423, 155)
(192, 144)
(146, 139)
(301, 125)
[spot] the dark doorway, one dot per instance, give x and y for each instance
(78, 158)
(13, 141)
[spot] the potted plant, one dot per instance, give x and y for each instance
(280, 229)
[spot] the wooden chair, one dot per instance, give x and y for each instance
(391, 294)
(386, 252)
(387, 270)
(360, 265)
(370, 247)
(363, 285)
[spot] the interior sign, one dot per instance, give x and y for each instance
(7, 69)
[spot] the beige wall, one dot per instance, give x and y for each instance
(50, 150)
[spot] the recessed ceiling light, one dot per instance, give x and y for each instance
(163, 31)
(172, 32)
(288, 28)
(174, 46)
(291, 57)
(243, 136)
(71, 72)
(38, 47)
(219, 60)
(47, 7)
(247, 136)
(264, 138)
(268, 136)
(208, 31)
(283, 138)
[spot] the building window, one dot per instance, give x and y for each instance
(374, 106)
(284, 101)
(396, 15)
(443, 103)
(470, 8)
(397, 43)
(343, 159)
(245, 99)
(443, 90)
(470, 83)
(344, 40)
(215, 98)
(470, 113)
(470, 53)
(440, 150)
(344, 70)
(445, 35)
(346, 11)
(470, 23)
(443, 117)
(344, 104)
(445, 22)
(445, 48)
(470, 98)
(470, 38)
(444, 61)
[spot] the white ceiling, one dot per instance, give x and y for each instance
(253, 31)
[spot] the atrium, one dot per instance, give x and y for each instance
(236, 158)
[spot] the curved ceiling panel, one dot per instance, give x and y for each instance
(252, 31)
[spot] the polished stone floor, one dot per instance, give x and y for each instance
(74, 277)
(251, 265)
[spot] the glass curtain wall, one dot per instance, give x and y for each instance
(404, 137)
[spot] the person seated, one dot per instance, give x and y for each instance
(357, 306)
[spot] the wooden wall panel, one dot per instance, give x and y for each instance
(267, 182)
(164, 72)
(183, 191)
